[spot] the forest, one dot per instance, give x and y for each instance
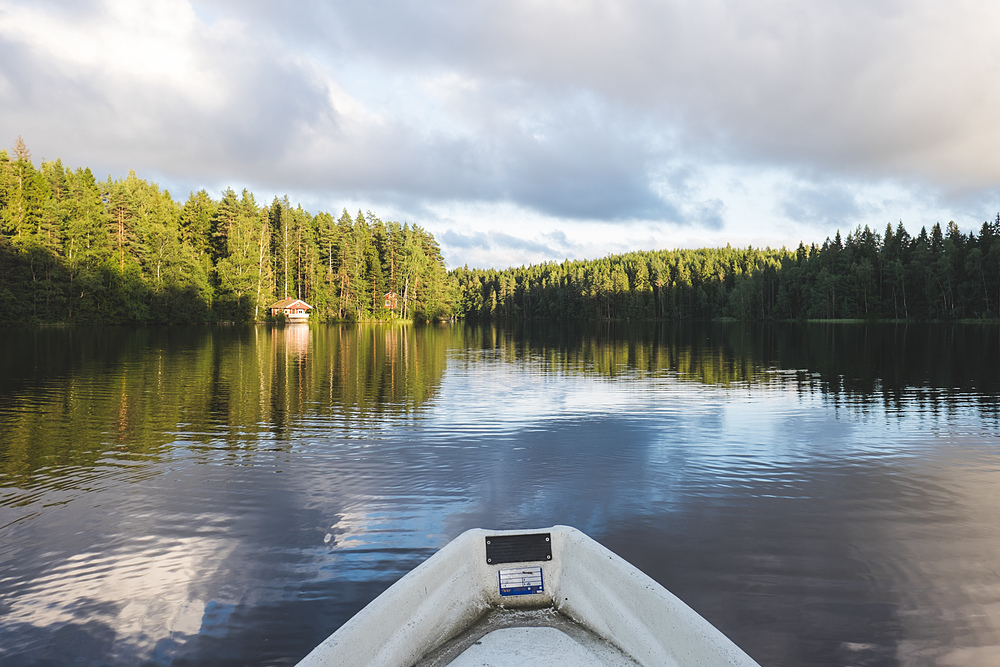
(940, 275)
(75, 249)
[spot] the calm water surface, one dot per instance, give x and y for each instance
(824, 494)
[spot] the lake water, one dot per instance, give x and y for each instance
(824, 494)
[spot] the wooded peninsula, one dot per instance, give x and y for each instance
(75, 249)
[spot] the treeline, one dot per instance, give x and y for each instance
(941, 275)
(73, 248)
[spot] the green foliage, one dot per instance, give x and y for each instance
(74, 249)
(944, 274)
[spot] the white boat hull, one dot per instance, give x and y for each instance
(582, 583)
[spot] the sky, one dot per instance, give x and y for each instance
(526, 131)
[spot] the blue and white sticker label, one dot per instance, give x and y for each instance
(521, 581)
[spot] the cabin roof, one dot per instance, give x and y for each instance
(289, 302)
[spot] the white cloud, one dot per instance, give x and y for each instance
(125, 44)
(634, 122)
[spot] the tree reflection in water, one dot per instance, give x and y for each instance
(823, 493)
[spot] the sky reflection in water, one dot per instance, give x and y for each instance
(214, 496)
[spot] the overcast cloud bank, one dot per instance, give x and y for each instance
(529, 131)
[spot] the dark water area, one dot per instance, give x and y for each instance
(825, 494)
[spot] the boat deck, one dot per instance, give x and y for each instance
(513, 638)
(548, 597)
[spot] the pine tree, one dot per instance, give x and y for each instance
(196, 224)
